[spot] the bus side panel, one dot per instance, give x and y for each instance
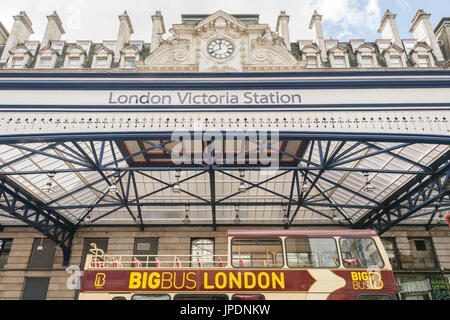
(360, 282)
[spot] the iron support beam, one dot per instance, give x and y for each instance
(25, 207)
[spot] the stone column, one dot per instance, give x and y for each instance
(316, 26)
(158, 30)
(283, 28)
(20, 32)
(421, 28)
(389, 30)
(54, 29)
(125, 32)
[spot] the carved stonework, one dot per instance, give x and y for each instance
(255, 47)
(269, 51)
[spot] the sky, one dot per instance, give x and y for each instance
(97, 20)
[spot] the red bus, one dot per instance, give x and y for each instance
(260, 264)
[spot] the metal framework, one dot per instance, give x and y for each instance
(426, 192)
(324, 178)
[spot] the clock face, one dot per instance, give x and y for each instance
(220, 48)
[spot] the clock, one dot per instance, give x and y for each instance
(220, 48)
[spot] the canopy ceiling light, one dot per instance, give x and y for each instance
(237, 219)
(242, 187)
(186, 219)
(368, 187)
(176, 187)
(48, 187)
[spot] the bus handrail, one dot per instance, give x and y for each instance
(107, 261)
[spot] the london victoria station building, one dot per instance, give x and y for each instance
(224, 135)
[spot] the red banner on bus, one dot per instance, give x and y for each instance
(228, 280)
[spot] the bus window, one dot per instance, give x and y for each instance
(248, 297)
(200, 297)
(150, 297)
(374, 297)
(312, 253)
(256, 253)
(360, 253)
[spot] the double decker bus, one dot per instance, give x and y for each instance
(260, 265)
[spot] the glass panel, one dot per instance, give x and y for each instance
(396, 62)
(312, 253)
(424, 62)
(257, 253)
(339, 62)
(311, 62)
(17, 63)
(374, 297)
(360, 252)
(101, 63)
(74, 63)
(202, 250)
(367, 62)
(150, 297)
(129, 63)
(45, 63)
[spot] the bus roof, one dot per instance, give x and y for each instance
(301, 233)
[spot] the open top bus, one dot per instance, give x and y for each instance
(260, 265)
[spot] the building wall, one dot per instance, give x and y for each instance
(172, 241)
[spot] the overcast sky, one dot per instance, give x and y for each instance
(97, 20)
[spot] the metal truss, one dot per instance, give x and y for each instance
(22, 205)
(427, 186)
(421, 192)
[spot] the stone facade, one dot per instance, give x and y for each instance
(255, 46)
(177, 240)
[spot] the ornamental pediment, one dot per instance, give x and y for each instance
(220, 20)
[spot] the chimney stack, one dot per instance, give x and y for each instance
(389, 30)
(158, 30)
(283, 28)
(54, 29)
(20, 32)
(316, 26)
(421, 28)
(125, 32)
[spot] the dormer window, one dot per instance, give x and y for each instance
(102, 63)
(423, 62)
(422, 56)
(311, 62)
(367, 62)
(74, 63)
(103, 58)
(311, 54)
(365, 55)
(45, 63)
(338, 56)
(18, 63)
(395, 62)
(129, 63)
(129, 56)
(75, 57)
(339, 62)
(19, 57)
